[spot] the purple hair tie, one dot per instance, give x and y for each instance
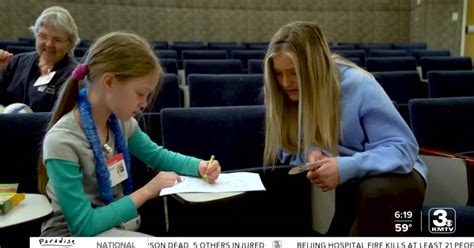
(80, 72)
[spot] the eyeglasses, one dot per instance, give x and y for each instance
(55, 40)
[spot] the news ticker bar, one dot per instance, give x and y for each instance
(254, 242)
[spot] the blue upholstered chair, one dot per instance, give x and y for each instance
(235, 136)
(249, 44)
(169, 66)
(245, 55)
(85, 43)
(223, 46)
(411, 46)
(401, 86)
(451, 83)
(443, 128)
(388, 53)
(421, 53)
(354, 53)
(444, 123)
(444, 64)
(166, 54)
(31, 41)
(217, 44)
(227, 132)
(80, 51)
(370, 46)
(166, 95)
(186, 42)
(5, 44)
(159, 45)
(206, 90)
(212, 66)
(204, 54)
(339, 47)
(179, 47)
(20, 146)
(255, 66)
(20, 49)
(374, 64)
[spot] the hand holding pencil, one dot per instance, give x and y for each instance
(210, 170)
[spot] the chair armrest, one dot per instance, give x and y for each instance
(467, 156)
(436, 152)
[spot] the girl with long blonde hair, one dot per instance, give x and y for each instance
(320, 106)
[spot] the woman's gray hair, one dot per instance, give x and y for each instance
(59, 18)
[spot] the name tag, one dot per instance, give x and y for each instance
(117, 169)
(45, 79)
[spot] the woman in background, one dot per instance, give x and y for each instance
(35, 78)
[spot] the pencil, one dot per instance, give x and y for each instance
(209, 165)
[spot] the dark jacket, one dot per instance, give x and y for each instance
(16, 81)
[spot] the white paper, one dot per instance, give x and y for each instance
(227, 182)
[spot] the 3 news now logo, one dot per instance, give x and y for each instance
(442, 220)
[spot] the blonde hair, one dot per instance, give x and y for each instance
(58, 18)
(126, 55)
(315, 119)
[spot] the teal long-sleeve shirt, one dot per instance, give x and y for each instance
(85, 220)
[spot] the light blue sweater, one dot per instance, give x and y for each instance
(374, 138)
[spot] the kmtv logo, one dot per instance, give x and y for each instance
(442, 220)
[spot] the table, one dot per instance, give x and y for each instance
(33, 207)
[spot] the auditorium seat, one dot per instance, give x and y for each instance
(444, 64)
(166, 95)
(443, 128)
(166, 54)
(20, 49)
(375, 64)
(235, 136)
(353, 53)
(204, 54)
(206, 90)
(212, 66)
(255, 66)
(388, 53)
(245, 55)
(420, 53)
(451, 83)
(169, 66)
(401, 86)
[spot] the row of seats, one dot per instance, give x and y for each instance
(243, 89)
(401, 86)
(221, 66)
(236, 135)
(373, 64)
(207, 90)
(417, 53)
(378, 60)
(212, 44)
(385, 49)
